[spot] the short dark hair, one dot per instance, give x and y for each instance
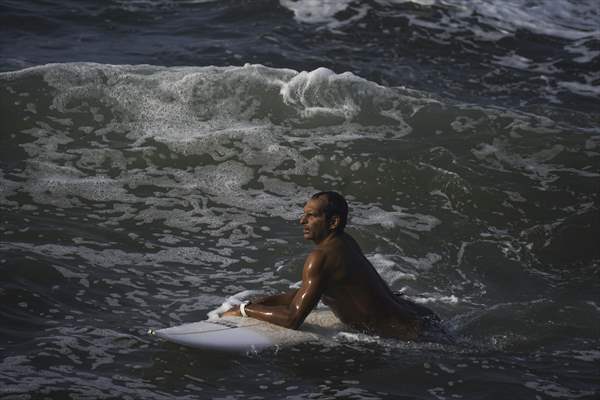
(336, 205)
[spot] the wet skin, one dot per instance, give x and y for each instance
(338, 273)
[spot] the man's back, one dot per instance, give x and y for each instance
(359, 296)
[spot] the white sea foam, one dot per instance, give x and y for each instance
(356, 337)
(556, 390)
(389, 269)
(534, 165)
(594, 304)
(583, 89)
(316, 11)
(317, 92)
(324, 11)
(374, 215)
(111, 257)
(583, 355)
(452, 299)
(423, 263)
(232, 301)
(559, 18)
(67, 273)
(585, 53)
(514, 61)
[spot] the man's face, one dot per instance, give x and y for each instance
(313, 220)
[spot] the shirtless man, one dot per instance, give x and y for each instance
(338, 273)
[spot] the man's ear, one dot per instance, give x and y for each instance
(334, 222)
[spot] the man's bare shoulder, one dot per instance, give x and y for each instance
(317, 256)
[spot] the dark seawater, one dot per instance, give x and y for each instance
(155, 156)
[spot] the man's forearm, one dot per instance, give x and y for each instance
(280, 315)
(279, 303)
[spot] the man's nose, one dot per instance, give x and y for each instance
(302, 219)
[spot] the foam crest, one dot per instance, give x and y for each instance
(316, 11)
(325, 11)
(342, 97)
(184, 103)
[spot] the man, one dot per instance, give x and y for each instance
(338, 273)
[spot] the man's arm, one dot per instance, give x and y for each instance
(292, 315)
(281, 299)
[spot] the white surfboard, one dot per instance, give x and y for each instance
(247, 334)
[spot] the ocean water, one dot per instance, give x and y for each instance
(155, 157)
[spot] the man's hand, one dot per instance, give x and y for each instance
(234, 312)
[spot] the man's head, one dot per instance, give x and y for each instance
(336, 206)
(325, 213)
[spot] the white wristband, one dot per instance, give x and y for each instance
(243, 308)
